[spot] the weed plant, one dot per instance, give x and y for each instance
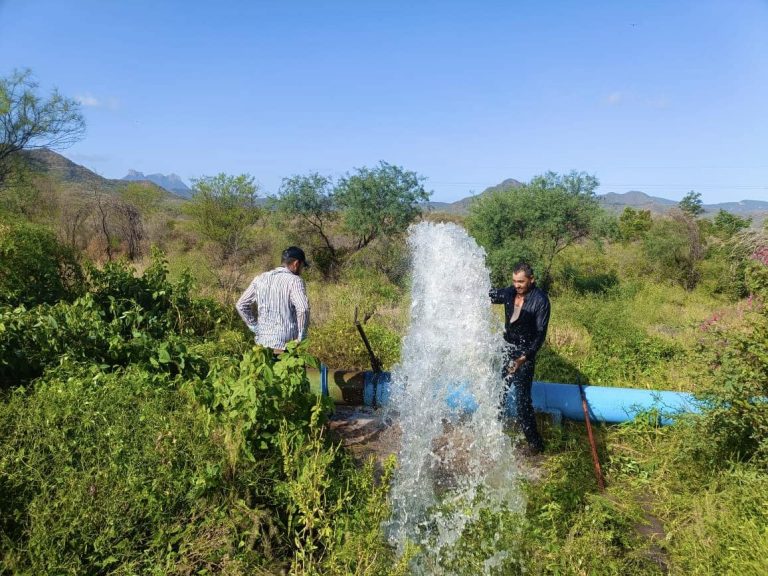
(142, 433)
(640, 335)
(334, 339)
(690, 498)
(139, 434)
(35, 267)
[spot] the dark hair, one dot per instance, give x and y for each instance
(523, 267)
(293, 253)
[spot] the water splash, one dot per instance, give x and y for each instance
(455, 458)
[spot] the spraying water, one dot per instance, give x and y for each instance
(455, 458)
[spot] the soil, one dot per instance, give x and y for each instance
(365, 433)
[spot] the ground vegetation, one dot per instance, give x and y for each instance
(142, 432)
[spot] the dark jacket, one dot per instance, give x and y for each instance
(528, 333)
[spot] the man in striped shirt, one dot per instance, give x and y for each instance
(280, 301)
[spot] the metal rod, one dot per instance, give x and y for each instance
(375, 362)
(593, 447)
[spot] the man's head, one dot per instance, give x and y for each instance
(522, 277)
(294, 259)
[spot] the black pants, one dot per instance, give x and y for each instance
(519, 384)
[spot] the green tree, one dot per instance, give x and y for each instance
(34, 267)
(675, 249)
(379, 202)
(28, 120)
(309, 201)
(748, 251)
(634, 224)
(725, 225)
(224, 210)
(691, 204)
(21, 191)
(339, 220)
(534, 222)
(146, 198)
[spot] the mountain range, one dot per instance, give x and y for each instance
(617, 202)
(66, 171)
(171, 182)
(657, 205)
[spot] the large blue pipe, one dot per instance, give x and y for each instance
(611, 405)
(605, 404)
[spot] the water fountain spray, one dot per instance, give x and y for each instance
(446, 392)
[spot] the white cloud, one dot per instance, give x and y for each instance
(615, 98)
(90, 101)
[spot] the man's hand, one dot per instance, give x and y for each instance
(515, 365)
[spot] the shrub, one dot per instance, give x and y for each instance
(124, 319)
(34, 267)
(258, 395)
(32, 341)
(756, 276)
(115, 473)
(736, 425)
(338, 344)
(165, 305)
(135, 471)
(723, 275)
(674, 246)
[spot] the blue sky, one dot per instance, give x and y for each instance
(659, 96)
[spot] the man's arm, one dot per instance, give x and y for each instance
(245, 306)
(300, 303)
(542, 323)
(498, 295)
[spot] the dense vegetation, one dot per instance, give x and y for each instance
(142, 433)
(139, 435)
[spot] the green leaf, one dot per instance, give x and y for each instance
(163, 356)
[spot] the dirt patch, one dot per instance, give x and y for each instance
(365, 433)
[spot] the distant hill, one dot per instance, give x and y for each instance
(64, 170)
(462, 206)
(615, 202)
(742, 208)
(756, 209)
(171, 182)
(635, 199)
(67, 172)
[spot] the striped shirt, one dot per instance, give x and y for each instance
(282, 308)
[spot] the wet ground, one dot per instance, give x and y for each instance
(367, 433)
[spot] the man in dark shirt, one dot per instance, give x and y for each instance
(526, 318)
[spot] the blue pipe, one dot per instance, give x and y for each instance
(605, 404)
(611, 405)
